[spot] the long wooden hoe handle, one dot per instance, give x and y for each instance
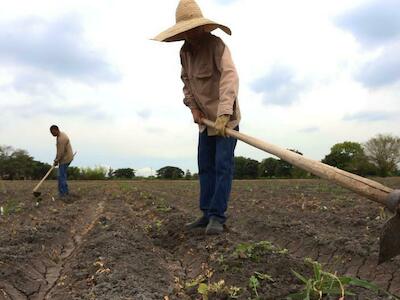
(360, 185)
(43, 179)
(47, 174)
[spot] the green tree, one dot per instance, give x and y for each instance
(272, 167)
(5, 153)
(299, 173)
(267, 167)
(169, 172)
(40, 169)
(383, 151)
(110, 173)
(188, 175)
(349, 156)
(283, 169)
(245, 168)
(125, 173)
(96, 173)
(74, 173)
(19, 165)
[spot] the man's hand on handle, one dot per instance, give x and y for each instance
(197, 115)
(220, 124)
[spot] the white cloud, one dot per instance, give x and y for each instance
(140, 120)
(280, 86)
(373, 22)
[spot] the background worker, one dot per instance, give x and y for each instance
(63, 159)
(210, 88)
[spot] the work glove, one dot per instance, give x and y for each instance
(55, 162)
(197, 115)
(221, 123)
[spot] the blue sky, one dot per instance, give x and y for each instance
(312, 74)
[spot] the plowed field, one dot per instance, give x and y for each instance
(126, 240)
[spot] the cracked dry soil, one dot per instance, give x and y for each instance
(126, 240)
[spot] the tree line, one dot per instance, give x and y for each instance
(17, 164)
(379, 156)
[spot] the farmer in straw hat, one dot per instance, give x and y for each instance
(210, 91)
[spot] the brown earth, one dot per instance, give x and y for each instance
(126, 240)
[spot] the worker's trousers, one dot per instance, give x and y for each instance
(62, 179)
(216, 166)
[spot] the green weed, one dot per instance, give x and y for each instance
(11, 207)
(255, 251)
(324, 283)
(152, 228)
(158, 225)
(218, 288)
(254, 281)
(162, 205)
(127, 187)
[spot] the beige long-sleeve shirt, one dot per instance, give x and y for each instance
(211, 83)
(64, 149)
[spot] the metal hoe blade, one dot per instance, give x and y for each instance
(36, 194)
(389, 246)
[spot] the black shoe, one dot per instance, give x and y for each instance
(199, 223)
(214, 227)
(64, 198)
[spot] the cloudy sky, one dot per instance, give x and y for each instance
(312, 73)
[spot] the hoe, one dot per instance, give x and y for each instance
(35, 190)
(390, 237)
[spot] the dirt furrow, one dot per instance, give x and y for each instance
(11, 292)
(38, 275)
(53, 273)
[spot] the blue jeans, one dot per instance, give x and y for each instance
(62, 179)
(216, 163)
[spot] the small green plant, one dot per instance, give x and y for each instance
(327, 284)
(254, 251)
(155, 227)
(221, 259)
(222, 262)
(163, 206)
(146, 196)
(147, 228)
(195, 282)
(254, 284)
(382, 213)
(254, 281)
(218, 288)
(11, 207)
(249, 189)
(127, 187)
(158, 225)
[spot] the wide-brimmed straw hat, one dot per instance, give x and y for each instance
(188, 16)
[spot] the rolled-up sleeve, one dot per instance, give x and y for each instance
(229, 84)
